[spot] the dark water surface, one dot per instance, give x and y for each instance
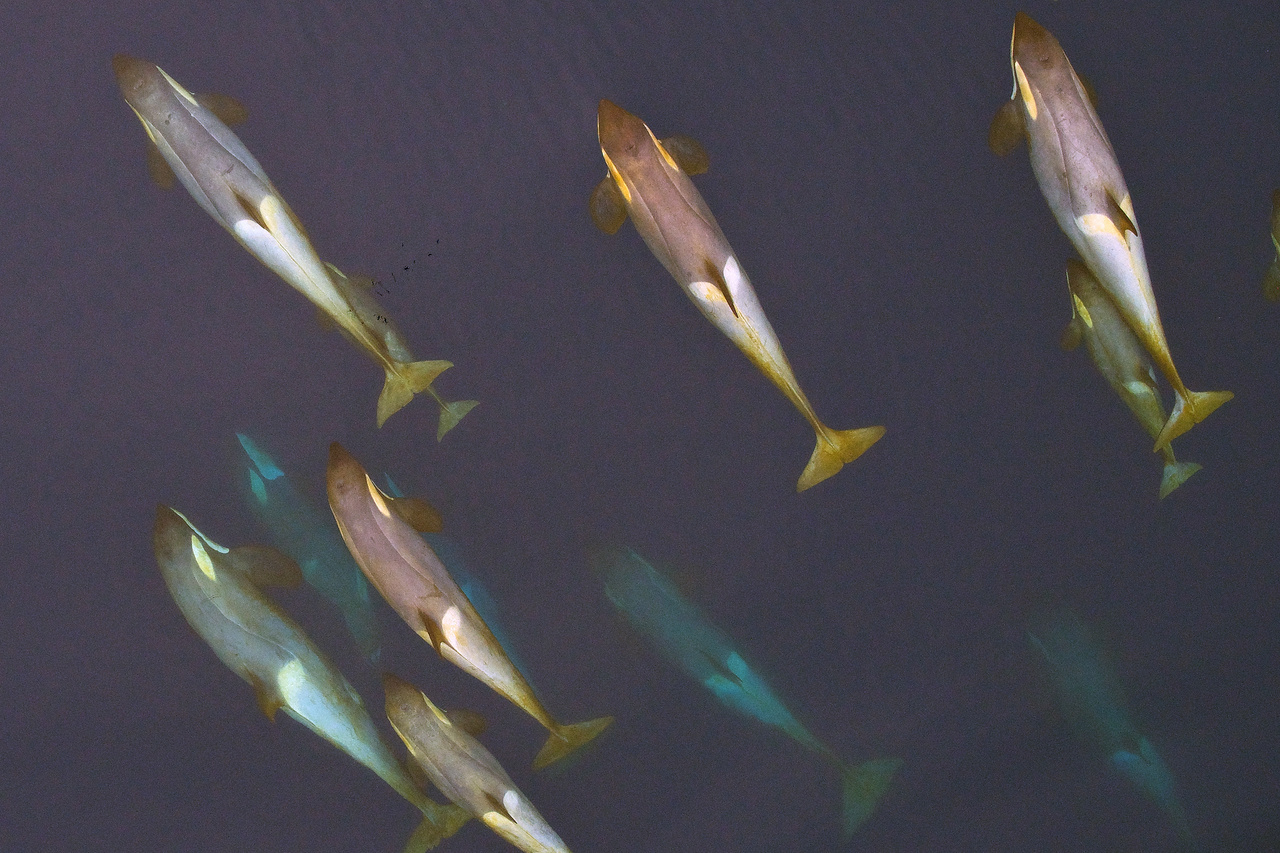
(915, 281)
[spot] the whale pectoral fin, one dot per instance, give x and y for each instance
(159, 169)
(229, 110)
(417, 775)
(471, 722)
(418, 514)
(607, 207)
(688, 153)
(265, 566)
(1271, 284)
(438, 822)
(1007, 129)
(1071, 336)
(427, 836)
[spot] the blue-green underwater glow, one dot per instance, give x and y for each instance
(308, 535)
(684, 636)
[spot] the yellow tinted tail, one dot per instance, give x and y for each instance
(1184, 416)
(403, 381)
(566, 739)
(834, 449)
(451, 413)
